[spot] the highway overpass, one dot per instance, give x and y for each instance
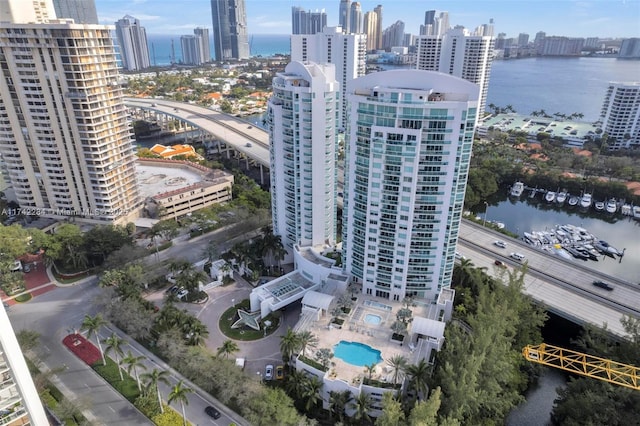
(244, 137)
(564, 287)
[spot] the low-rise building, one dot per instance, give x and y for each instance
(168, 152)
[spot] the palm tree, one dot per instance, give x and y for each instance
(179, 393)
(338, 401)
(306, 338)
(153, 379)
(418, 377)
(196, 332)
(289, 344)
(228, 348)
(362, 404)
(397, 363)
(296, 383)
(370, 369)
(114, 343)
(92, 325)
(133, 363)
(312, 392)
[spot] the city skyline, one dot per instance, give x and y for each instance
(588, 18)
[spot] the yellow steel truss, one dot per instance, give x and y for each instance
(584, 364)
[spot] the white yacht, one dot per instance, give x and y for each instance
(561, 197)
(517, 189)
(599, 205)
(612, 206)
(550, 196)
(586, 200)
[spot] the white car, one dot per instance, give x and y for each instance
(460, 256)
(500, 243)
(517, 256)
(182, 293)
(268, 372)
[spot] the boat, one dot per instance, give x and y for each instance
(517, 189)
(533, 193)
(576, 253)
(561, 197)
(626, 210)
(636, 212)
(612, 206)
(599, 205)
(585, 201)
(550, 196)
(605, 248)
(574, 200)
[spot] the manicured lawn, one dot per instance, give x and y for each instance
(82, 348)
(245, 333)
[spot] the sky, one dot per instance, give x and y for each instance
(571, 18)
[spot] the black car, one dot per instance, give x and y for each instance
(212, 412)
(603, 285)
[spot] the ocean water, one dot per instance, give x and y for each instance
(161, 51)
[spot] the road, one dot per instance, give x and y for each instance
(563, 285)
(60, 312)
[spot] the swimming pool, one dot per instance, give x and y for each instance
(372, 319)
(355, 353)
(375, 304)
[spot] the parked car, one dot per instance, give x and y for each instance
(172, 289)
(268, 372)
(279, 372)
(603, 285)
(182, 293)
(26, 268)
(517, 256)
(500, 243)
(212, 412)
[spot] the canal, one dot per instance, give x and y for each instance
(535, 214)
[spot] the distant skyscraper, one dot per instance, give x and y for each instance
(66, 142)
(370, 27)
(538, 42)
(441, 24)
(303, 163)
(191, 50)
(523, 39)
(230, 34)
(429, 23)
(562, 46)
(17, 391)
(132, 39)
(347, 51)
(405, 180)
(203, 33)
(307, 22)
(356, 18)
(345, 16)
(393, 36)
(81, 11)
(461, 54)
(378, 11)
(620, 115)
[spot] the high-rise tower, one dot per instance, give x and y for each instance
(620, 115)
(347, 51)
(345, 16)
(307, 22)
(409, 145)
(64, 134)
(459, 53)
(203, 34)
(378, 11)
(355, 25)
(19, 400)
(132, 38)
(370, 26)
(230, 34)
(81, 11)
(302, 121)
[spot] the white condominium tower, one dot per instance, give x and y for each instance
(347, 51)
(230, 33)
(302, 122)
(132, 39)
(81, 11)
(65, 138)
(459, 53)
(345, 15)
(409, 145)
(19, 400)
(620, 115)
(195, 48)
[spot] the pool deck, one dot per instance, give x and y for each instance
(355, 329)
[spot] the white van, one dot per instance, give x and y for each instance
(517, 256)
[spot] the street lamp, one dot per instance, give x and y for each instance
(233, 302)
(267, 324)
(486, 208)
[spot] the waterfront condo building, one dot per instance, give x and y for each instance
(230, 34)
(302, 122)
(410, 136)
(203, 34)
(620, 115)
(307, 22)
(355, 18)
(195, 48)
(345, 15)
(65, 138)
(347, 51)
(132, 38)
(81, 11)
(19, 400)
(460, 53)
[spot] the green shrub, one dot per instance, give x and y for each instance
(127, 387)
(23, 297)
(170, 417)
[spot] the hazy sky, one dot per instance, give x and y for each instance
(583, 18)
